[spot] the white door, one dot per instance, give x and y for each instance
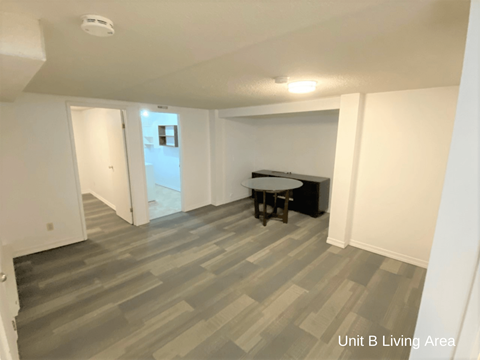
(118, 157)
(8, 306)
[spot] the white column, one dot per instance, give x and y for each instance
(217, 168)
(346, 160)
(456, 246)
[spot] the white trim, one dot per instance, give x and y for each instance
(11, 286)
(31, 249)
(180, 158)
(233, 199)
(76, 172)
(330, 103)
(389, 253)
(102, 199)
(194, 207)
(123, 118)
(335, 242)
(136, 165)
(236, 198)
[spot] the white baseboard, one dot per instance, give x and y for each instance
(336, 242)
(233, 199)
(27, 249)
(240, 197)
(102, 199)
(389, 253)
(196, 206)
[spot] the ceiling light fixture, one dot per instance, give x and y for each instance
(302, 87)
(97, 25)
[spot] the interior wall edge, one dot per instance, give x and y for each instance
(336, 242)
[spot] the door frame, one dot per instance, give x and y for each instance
(155, 109)
(9, 305)
(94, 104)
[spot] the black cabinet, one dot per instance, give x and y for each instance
(311, 199)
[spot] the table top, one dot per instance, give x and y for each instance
(300, 177)
(271, 184)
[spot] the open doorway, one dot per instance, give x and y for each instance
(102, 162)
(161, 144)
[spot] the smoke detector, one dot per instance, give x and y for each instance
(97, 25)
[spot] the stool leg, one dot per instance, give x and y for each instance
(275, 204)
(257, 210)
(264, 208)
(285, 209)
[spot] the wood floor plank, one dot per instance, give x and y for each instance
(213, 283)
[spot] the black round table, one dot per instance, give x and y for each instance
(273, 185)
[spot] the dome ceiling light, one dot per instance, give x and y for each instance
(302, 87)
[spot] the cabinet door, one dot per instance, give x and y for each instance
(306, 198)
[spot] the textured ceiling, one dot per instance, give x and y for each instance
(222, 54)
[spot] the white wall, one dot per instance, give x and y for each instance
(299, 143)
(165, 160)
(404, 145)
(37, 175)
(231, 138)
(92, 136)
(239, 156)
(455, 252)
(397, 161)
(38, 182)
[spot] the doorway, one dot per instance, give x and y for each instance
(161, 143)
(100, 147)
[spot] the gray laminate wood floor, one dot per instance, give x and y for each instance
(211, 284)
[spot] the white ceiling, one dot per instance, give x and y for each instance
(222, 54)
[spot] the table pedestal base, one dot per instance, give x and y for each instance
(273, 214)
